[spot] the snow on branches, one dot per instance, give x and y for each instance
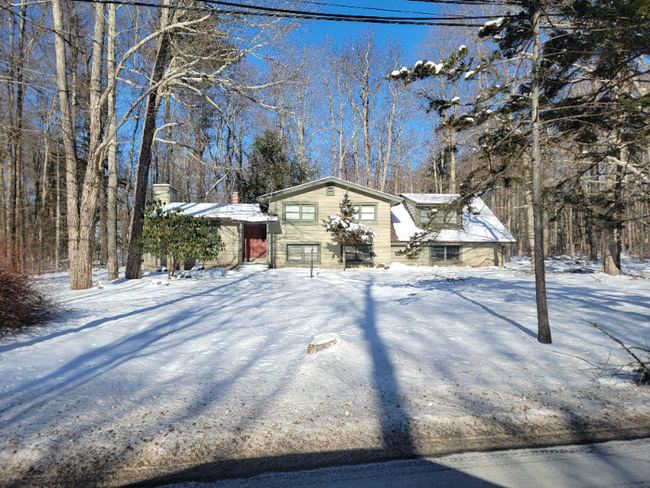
(346, 229)
(450, 68)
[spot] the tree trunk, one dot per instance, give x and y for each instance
(569, 231)
(57, 237)
(3, 201)
(641, 242)
(611, 236)
(367, 148)
(67, 128)
(111, 211)
(169, 149)
(506, 247)
(81, 219)
(530, 228)
(592, 238)
(543, 325)
(133, 267)
(611, 253)
(93, 177)
(103, 216)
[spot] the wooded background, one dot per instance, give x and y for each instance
(102, 100)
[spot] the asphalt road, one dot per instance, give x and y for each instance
(614, 464)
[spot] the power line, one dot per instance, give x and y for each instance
(472, 2)
(376, 9)
(273, 9)
(253, 10)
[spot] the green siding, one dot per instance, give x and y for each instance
(301, 220)
(305, 254)
(330, 250)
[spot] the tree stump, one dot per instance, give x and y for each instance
(323, 341)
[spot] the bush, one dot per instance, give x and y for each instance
(23, 302)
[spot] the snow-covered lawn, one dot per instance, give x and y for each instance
(138, 379)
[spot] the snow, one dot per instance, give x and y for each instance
(497, 22)
(434, 198)
(402, 222)
(437, 67)
(479, 224)
(469, 74)
(241, 212)
(136, 379)
(349, 228)
(455, 100)
(325, 338)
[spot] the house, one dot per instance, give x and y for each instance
(286, 227)
(243, 228)
(473, 236)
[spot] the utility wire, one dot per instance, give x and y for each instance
(294, 14)
(376, 9)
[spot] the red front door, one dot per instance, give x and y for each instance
(254, 241)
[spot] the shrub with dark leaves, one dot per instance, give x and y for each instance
(23, 302)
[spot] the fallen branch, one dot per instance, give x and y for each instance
(644, 369)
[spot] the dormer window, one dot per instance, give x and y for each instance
(438, 216)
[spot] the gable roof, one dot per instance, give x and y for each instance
(239, 212)
(323, 181)
(479, 226)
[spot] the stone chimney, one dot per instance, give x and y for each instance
(164, 192)
(235, 197)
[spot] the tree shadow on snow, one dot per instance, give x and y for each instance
(98, 322)
(396, 424)
(395, 432)
(497, 315)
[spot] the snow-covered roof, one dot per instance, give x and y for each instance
(329, 179)
(479, 225)
(430, 198)
(241, 212)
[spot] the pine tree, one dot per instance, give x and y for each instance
(170, 233)
(583, 98)
(270, 168)
(345, 228)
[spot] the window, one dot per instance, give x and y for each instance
(366, 213)
(301, 213)
(302, 253)
(330, 191)
(359, 254)
(447, 218)
(439, 217)
(445, 254)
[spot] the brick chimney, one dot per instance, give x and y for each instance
(235, 197)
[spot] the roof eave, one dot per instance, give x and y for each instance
(264, 199)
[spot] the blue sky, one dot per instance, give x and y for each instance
(410, 36)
